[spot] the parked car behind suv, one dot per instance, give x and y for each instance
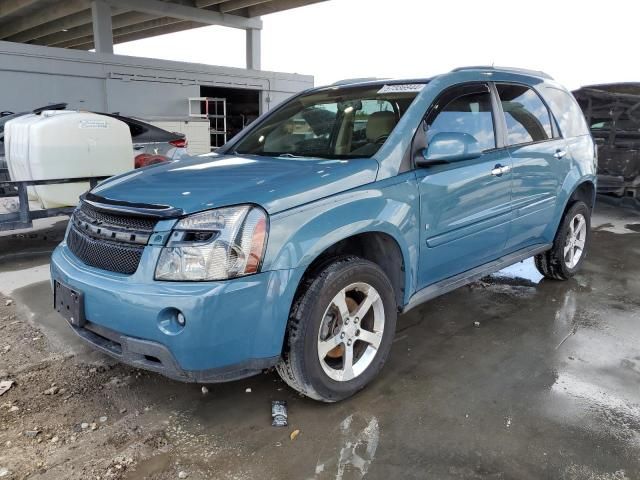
(151, 144)
(297, 244)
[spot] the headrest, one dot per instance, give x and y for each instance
(380, 124)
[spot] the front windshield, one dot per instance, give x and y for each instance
(347, 122)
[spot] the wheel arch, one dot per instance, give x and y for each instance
(377, 246)
(583, 189)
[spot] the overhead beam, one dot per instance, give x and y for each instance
(54, 11)
(278, 5)
(232, 5)
(117, 21)
(9, 7)
(208, 3)
(119, 32)
(102, 28)
(176, 27)
(192, 14)
(57, 26)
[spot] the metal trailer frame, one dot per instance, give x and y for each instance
(24, 217)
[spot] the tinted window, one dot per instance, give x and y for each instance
(469, 113)
(528, 119)
(567, 112)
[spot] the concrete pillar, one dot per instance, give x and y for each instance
(102, 28)
(253, 49)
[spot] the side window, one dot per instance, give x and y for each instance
(468, 113)
(528, 119)
(567, 111)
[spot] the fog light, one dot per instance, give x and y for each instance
(181, 319)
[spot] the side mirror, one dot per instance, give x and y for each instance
(446, 147)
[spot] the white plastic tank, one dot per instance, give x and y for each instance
(60, 144)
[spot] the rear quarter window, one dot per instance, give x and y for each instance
(567, 112)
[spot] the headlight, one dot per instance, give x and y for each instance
(215, 245)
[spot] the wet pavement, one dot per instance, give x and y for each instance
(547, 386)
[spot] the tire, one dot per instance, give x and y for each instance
(319, 322)
(560, 263)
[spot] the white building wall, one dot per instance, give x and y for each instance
(33, 76)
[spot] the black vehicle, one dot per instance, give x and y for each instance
(613, 114)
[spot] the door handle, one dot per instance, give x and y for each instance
(499, 170)
(560, 153)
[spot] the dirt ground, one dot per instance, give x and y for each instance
(64, 419)
(545, 386)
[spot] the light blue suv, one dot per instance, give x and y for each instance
(297, 244)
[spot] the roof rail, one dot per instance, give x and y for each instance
(525, 71)
(347, 81)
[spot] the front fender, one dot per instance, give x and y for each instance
(298, 236)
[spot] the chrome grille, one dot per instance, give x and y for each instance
(109, 241)
(144, 224)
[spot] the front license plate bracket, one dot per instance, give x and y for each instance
(70, 304)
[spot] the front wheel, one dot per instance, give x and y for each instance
(340, 330)
(569, 246)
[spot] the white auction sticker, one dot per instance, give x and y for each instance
(400, 88)
(93, 124)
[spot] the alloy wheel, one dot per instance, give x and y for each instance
(351, 332)
(575, 241)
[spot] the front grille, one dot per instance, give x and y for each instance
(99, 253)
(144, 224)
(109, 241)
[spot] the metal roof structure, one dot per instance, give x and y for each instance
(89, 24)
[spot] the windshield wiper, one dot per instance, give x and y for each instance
(290, 155)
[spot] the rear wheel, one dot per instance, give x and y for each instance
(340, 330)
(570, 245)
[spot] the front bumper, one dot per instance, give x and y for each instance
(233, 328)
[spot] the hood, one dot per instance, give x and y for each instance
(200, 183)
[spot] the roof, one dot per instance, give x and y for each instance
(68, 24)
(395, 81)
(491, 68)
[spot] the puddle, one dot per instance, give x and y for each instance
(522, 273)
(151, 467)
(615, 220)
(617, 412)
(17, 279)
(358, 441)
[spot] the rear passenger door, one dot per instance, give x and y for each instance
(465, 205)
(540, 162)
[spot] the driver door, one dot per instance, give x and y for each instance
(465, 206)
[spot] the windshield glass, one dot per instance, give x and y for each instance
(349, 122)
